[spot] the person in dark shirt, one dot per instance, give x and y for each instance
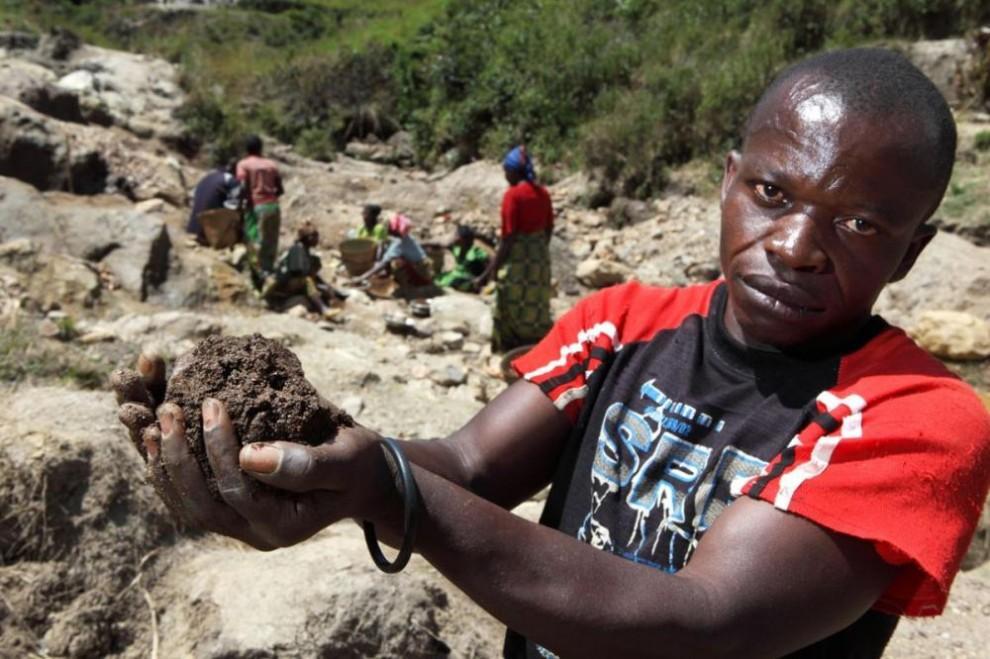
(297, 276)
(218, 189)
(754, 467)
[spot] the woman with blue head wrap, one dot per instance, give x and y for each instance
(519, 162)
(521, 267)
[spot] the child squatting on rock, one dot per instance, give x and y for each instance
(756, 466)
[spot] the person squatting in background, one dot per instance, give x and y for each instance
(470, 260)
(404, 257)
(297, 273)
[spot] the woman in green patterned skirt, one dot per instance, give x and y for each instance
(521, 266)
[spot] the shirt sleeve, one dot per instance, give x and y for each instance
(899, 460)
(563, 361)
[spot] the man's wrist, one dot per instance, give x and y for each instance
(403, 530)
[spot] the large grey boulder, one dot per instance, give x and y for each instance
(33, 85)
(951, 274)
(48, 153)
(599, 273)
(945, 62)
(323, 598)
(133, 246)
(56, 155)
(138, 92)
(953, 335)
(32, 148)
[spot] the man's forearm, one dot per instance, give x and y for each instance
(439, 456)
(555, 590)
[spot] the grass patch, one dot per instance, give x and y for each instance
(26, 357)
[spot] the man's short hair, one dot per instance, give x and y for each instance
(464, 232)
(253, 145)
(883, 84)
(372, 210)
(308, 233)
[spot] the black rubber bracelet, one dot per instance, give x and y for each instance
(406, 485)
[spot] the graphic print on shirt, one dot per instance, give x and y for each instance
(660, 478)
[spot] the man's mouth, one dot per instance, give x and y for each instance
(782, 297)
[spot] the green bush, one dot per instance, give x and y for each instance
(981, 142)
(625, 87)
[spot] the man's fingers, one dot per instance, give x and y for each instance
(186, 476)
(293, 467)
(222, 448)
(151, 440)
(151, 367)
(136, 418)
(128, 386)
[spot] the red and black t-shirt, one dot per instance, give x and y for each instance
(673, 420)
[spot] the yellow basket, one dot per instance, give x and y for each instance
(221, 226)
(358, 255)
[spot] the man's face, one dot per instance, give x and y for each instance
(820, 210)
(370, 219)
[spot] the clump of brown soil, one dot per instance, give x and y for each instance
(263, 387)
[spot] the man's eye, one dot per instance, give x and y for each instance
(769, 193)
(858, 225)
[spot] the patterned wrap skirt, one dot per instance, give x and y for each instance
(522, 294)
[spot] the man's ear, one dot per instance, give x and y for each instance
(729, 173)
(922, 236)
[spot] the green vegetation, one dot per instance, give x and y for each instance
(26, 357)
(964, 210)
(981, 141)
(625, 87)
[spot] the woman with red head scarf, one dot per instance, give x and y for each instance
(521, 266)
(403, 256)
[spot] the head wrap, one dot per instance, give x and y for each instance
(519, 161)
(400, 224)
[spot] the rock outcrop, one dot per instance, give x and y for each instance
(953, 335)
(133, 246)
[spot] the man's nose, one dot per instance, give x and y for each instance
(795, 241)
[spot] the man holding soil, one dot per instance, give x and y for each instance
(752, 467)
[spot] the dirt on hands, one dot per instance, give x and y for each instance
(263, 387)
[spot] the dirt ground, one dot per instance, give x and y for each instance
(962, 632)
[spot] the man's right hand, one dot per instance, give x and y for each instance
(343, 478)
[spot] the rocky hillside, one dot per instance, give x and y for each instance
(94, 265)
